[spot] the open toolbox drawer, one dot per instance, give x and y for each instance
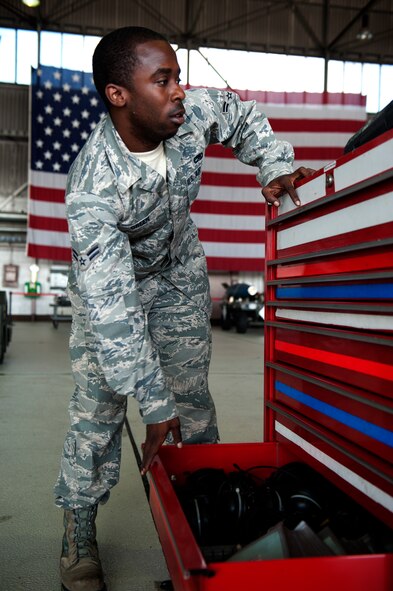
(328, 380)
(186, 564)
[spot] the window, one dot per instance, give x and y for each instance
(50, 51)
(7, 55)
(27, 55)
(72, 51)
(385, 90)
(279, 73)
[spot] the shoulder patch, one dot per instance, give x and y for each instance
(228, 98)
(84, 259)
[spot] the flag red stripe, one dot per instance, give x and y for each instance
(228, 207)
(228, 264)
(47, 194)
(53, 253)
(324, 153)
(46, 223)
(234, 236)
(221, 179)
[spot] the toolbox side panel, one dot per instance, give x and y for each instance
(180, 548)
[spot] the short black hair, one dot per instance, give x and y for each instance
(114, 58)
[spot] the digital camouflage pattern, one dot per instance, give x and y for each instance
(139, 286)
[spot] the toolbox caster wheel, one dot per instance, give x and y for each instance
(166, 585)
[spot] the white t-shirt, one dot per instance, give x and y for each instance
(155, 158)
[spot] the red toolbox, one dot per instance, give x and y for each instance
(328, 381)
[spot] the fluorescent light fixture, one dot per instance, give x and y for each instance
(31, 3)
(365, 34)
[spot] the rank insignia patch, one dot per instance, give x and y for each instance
(84, 259)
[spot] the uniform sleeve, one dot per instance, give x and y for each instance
(104, 272)
(239, 125)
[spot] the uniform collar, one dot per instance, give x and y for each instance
(125, 167)
(173, 148)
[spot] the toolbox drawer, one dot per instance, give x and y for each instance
(188, 569)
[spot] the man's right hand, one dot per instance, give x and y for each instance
(285, 184)
(156, 434)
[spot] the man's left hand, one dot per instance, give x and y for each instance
(285, 184)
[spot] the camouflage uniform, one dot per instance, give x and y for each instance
(139, 286)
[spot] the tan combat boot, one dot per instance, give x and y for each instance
(80, 566)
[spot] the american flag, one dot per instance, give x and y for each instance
(229, 212)
(65, 108)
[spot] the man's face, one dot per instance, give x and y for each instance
(154, 106)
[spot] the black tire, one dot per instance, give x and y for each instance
(9, 333)
(3, 339)
(3, 331)
(242, 323)
(226, 323)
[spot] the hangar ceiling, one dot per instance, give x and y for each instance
(356, 30)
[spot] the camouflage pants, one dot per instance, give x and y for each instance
(181, 332)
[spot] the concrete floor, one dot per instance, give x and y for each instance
(35, 387)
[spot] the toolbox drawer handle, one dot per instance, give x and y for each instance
(329, 179)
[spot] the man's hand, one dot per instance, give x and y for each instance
(285, 184)
(155, 437)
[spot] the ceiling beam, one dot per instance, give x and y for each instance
(62, 11)
(304, 23)
(157, 15)
(350, 24)
(243, 19)
(190, 26)
(31, 20)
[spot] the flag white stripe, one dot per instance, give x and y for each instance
(228, 222)
(314, 140)
(234, 250)
(230, 194)
(307, 111)
(367, 214)
(46, 209)
(48, 238)
(228, 166)
(48, 179)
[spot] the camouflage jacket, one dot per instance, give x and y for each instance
(127, 223)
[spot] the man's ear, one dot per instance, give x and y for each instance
(116, 95)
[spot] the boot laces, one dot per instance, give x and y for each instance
(84, 532)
